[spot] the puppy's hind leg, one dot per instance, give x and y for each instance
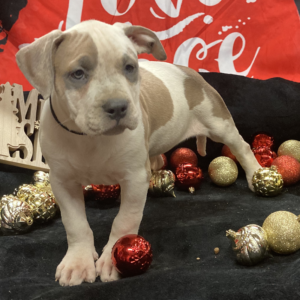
(201, 145)
(224, 131)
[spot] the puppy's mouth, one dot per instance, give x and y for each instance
(117, 129)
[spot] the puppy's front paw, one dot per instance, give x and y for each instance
(105, 268)
(77, 266)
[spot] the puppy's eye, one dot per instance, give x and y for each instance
(129, 68)
(79, 74)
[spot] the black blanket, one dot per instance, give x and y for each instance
(179, 229)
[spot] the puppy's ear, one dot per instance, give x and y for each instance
(35, 62)
(144, 40)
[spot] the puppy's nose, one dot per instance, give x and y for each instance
(116, 109)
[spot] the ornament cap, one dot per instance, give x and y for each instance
(231, 234)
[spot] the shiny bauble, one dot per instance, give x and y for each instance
(223, 171)
(43, 206)
(188, 177)
(250, 244)
(226, 152)
(183, 156)
(290, 148)
(263, 140)
(267, 182)
(162, 184)
(131, 255)
(283, 231)
(289, 168)
(264, 155)
(103, 192)
(41, 179)
(16, 217)
(26, 190)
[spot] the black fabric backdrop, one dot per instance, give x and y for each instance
(180, 229)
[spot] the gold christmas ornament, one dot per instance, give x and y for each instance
(290, 148)
(267, 182)
(25, 191)
(283, 230)
(41, 179)
(162, 183)
(4, 200)
(223, 171)
(16, 217)
(250, 244)
(42, 205)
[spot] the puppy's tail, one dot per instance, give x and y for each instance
(201, 145)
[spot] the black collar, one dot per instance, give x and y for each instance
(63, 126)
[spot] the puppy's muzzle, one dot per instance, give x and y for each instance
(116, 109)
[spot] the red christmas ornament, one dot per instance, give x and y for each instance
(101, 192)
(264, 155)
(165, 162)
(188, 177)
(226, 152)
(263, 140)
(131, 255)
(289, 168)
(183, 156)
(106, 192)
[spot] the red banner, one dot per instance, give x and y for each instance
(254, 38)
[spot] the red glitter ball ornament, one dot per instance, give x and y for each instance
(101, 192)
(183, 156)
(131, 255)
(289, 168)
(263, 140)
(264, 155)
(226, 152)
(165, 162)
(188, 177)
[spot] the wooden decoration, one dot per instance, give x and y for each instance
(18, 122)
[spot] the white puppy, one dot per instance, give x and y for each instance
(108, 121)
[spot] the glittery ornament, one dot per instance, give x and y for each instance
(6, 199)
(250, 244)
(162, 183)
(106, 192)
(188, 177)
(283, 230)
(165, 162)
(41, 179)
(223, 171)
(183, 156)
(43, 205)
(267, 182)
(263, 140)
(131, 255)
(289, 168)
(226, 152)
(16, 217)
(26, 190)
(264, 155)
(290, 148)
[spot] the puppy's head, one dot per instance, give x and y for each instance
(93, 68)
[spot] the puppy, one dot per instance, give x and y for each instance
(108, 119)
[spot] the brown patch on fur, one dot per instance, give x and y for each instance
(2, 89)
(194, 85)
(155, 100)
(75, 51)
